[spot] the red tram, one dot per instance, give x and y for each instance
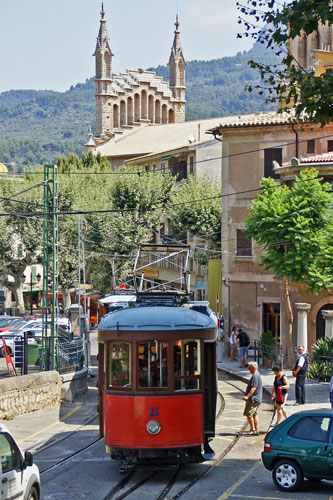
(157, 382)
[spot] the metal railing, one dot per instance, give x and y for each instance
(26, 352)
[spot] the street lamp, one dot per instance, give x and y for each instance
(38, 278)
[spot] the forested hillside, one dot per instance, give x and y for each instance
(38, 126)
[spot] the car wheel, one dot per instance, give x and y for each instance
(287, 475)
(2, 352)
(33, 494)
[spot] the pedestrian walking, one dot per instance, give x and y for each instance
(279, 393)
(253, 398)
(233, 343)
(300, 372)
(243, 342)
(331, 392)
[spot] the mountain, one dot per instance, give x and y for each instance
(38, 126)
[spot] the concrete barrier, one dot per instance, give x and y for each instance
(74, 384)
(29, 393)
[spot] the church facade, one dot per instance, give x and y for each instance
(137, 97)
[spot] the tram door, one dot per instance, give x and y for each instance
(101, 388)
(210, 387)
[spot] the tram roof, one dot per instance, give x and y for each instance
(156, 318)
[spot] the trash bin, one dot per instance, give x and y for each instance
(34, 352)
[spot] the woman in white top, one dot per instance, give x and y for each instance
(233, 344)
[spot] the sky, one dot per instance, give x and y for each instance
(48, 44)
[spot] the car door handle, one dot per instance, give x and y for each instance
(5, 480)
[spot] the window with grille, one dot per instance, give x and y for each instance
(244, 244)
(311, 146)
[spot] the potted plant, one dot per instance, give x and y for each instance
(268, 343)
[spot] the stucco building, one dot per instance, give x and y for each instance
(251, 143)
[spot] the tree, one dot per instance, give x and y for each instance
(293, 226)
(273, 24)
(139, 199)
(197, 209)
(20, 237)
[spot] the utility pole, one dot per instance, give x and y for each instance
(50, 268)
(83, 319)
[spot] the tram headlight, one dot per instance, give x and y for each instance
(153, 427)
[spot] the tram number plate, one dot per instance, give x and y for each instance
(153, 412)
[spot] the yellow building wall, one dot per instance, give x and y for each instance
(215, 284)
(323, 61)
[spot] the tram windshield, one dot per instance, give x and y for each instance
(120, 364)
(187, 365)
(153, 364)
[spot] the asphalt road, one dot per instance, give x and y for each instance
(238, 475)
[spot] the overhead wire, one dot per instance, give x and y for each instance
(204, 160)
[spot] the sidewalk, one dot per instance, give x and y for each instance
(316, 393)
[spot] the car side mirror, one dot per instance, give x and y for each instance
(28, 459)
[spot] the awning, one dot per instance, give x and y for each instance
(116, 299)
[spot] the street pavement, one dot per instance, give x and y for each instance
(317, 394)
(34, 430)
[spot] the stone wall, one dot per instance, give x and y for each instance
(29, 393)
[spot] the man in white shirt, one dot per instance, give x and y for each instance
(300, 371)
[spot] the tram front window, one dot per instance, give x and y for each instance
(153, 364)
(120, 364)
(187, 364)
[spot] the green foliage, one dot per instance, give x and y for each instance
(321, 367)
(216, 88)
(201, 218)
(268, 343)
(289, 82)
(323, 348)
(295, 229)
(37, 127)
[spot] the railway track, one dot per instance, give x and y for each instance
(160, 483)
(171, 483)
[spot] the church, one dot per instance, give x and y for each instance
(137, 97)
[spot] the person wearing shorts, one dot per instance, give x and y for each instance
(253, 398)
(281, 382)
(241, 343)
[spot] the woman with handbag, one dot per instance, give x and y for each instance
(279, 393)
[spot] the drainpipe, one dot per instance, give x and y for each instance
(296, 142)
(229, 315)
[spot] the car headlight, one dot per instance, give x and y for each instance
(153, 427)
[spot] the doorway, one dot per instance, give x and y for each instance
(320, 322)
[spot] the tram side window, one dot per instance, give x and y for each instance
(187, 365)
(120, 364)
(153, 364)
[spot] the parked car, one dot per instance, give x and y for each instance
(9, 323)
(16, 332)
(19, 476)
(301, 446)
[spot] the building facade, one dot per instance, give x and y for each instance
(314, 52)
(251, 296)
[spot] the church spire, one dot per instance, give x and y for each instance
(103, 77)
(177, 69)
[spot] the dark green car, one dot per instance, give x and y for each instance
(301, 446)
